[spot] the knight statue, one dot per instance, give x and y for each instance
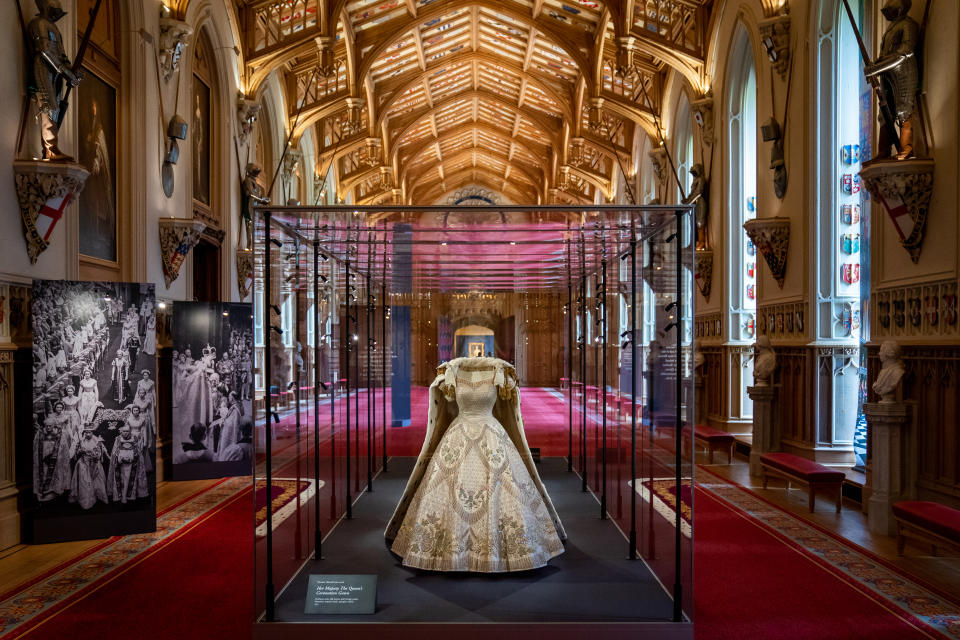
(899, 74)
(252, 196)
(46, 73)
(698, 195)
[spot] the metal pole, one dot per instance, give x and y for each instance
(333, 307)
(570, 321)
(633, 389)
(268, 427)
(317, 535)
(383, 344)
(651, 537)
(297, 530)
(583, 376)
(371, 415)
(603, 347)
(349, 341)
(678, 327)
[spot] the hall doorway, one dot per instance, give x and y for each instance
(206, 272)
(473, 341)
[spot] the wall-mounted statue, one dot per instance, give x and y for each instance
(899, 76)
(891, 372)
(699, 192)
(47, 72)
(251, 197)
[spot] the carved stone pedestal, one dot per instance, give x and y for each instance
(766, 426)
(888, 423)
(44, 189)
(904, 188)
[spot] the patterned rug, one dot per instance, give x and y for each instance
(62, 584)
(284, 492)
(869, 572)
(665, 499)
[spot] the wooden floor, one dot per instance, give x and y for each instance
(21, 563)
(942, 571)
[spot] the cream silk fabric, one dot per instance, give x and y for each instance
(474, 501)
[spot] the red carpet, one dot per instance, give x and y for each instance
(750, 581)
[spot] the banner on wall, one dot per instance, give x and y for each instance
(94, 410)
(212, 390)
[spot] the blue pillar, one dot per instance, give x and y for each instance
(401, 360)
(400, 366)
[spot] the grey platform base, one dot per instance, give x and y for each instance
(590, 589)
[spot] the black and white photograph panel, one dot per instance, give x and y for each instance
(94, 409)
(212, 389)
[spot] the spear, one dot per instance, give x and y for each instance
(888, 118)
(78, 61)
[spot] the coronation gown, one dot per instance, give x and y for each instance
(88, 484)
(474, 501)
(89, 397)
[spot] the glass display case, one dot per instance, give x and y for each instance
(357, 307)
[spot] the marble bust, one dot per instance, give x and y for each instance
(764, 362)
(891, 372)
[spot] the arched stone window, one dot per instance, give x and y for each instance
(741, 118)
(842, 127)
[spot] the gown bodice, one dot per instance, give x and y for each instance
(475, 392)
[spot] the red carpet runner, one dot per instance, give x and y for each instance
(752, 580)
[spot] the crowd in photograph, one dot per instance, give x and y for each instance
(94, 399)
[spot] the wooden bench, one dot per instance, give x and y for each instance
(930, 522)
(802, 471)
(711, 439)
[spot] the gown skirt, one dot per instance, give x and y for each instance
(477, 508)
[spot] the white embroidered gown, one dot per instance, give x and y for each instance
(475, 501)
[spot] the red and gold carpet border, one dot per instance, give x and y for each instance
(907, 597)
(44, 596)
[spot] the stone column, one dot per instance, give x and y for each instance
(888, 423)
(766, 424)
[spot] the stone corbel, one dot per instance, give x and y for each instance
(904, 188)
(371, 151)
(44, 189)
(354, 116)
(626, 47)
(772, 239)
(775, 38)
(386, 178)
(595, 118)
(703, 114)
(244, 272)
(326, 59)
(291, 163)
(177, 237)
(174, 36)
(247, 113)
(577, 156)
(658, 158)
(703, 271)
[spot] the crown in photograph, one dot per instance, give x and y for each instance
(209, 350)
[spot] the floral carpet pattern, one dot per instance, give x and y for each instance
(857, 565)
(665, 499)
(284, 491)
(60, 586)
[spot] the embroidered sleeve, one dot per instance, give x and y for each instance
(448, 381)
(505, 380)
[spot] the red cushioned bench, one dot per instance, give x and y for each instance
(931, 522)
(711, 439)
(802, 471)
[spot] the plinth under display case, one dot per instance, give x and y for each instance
(469, 420)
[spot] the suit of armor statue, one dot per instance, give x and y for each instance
(899, 74)
(47, 70)
(698, 196)
(252, 196)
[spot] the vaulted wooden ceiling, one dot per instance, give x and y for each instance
(535, 99)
